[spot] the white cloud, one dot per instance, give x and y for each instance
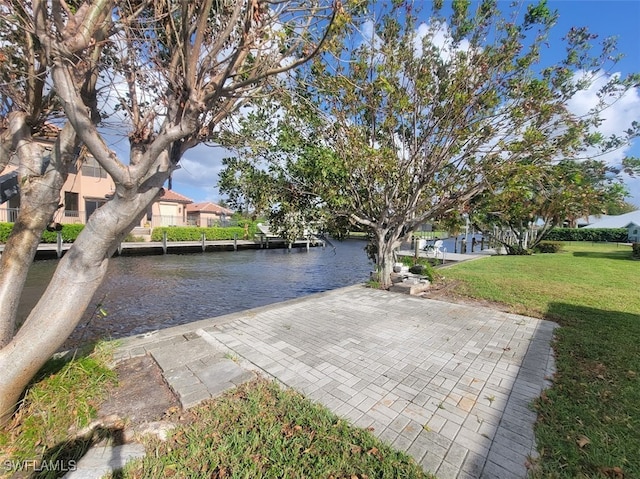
(439, 36)
(634, 188)
(198, 176)
(369, 35)
(617, 116)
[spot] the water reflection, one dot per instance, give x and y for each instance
(145, 293)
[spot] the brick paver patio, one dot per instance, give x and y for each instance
(449, 384)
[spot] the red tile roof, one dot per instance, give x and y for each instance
(208, 207)
(170, 195)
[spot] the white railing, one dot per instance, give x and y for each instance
(166, 220)
(8, 215)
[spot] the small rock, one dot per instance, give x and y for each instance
(160, 429)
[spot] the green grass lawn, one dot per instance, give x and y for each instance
(63, 397)
(260, 430)
(589, 421)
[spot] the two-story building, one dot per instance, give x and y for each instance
(88, 186)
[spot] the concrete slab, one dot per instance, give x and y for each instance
(410, 287)
(173, 353)
(99, 461)
(223, 372)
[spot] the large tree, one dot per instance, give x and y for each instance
(408, 120)
(166, 72)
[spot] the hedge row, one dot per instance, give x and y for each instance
(69, 233)
(174, 233)
(636, 250)
(607, 235)
(194, 233)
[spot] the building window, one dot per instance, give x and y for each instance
(91, 205)
(13, 208)
(90, 167)
(71, 205)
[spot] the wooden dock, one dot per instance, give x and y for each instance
(141, 248)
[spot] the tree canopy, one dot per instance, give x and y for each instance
(413, 116)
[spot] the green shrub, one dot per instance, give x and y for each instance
(5, 231)
(177, 233)
(69, 234)
(422, 267)
(194, 233)
(407, 260)
(174, 233)
(636, 250)
(549, 247)
(131, 238)
(606, 235)
(214, 234)
(373, 284)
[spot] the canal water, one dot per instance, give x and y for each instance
(145, 293)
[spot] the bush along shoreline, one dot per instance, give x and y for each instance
(70, 232)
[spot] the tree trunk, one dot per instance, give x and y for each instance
(386, 245)
(78, 275)
(40, 186)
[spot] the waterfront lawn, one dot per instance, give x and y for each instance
(261, 430)
(588, 422)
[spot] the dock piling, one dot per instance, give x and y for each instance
(59, 244)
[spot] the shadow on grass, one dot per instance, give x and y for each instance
(588, 421)
(62, 458)
(623, 254)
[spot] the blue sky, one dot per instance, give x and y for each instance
(621, 18)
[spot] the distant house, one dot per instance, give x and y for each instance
(630, 221)
(207, 214)
(169, 210)
(587, 220)
(87, 186)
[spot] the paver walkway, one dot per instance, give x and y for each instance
(450, 384)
